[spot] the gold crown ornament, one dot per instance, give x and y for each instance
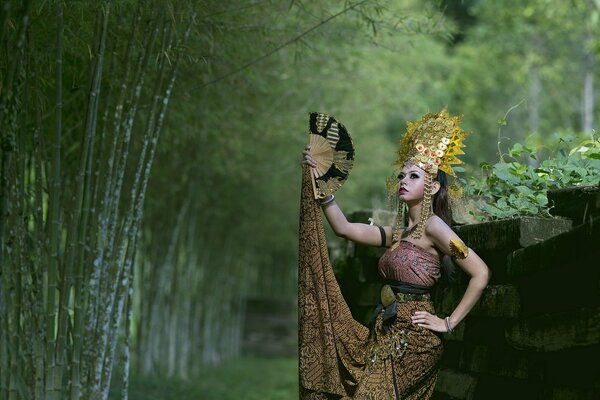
(432, 143)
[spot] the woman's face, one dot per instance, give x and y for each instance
(411, 183)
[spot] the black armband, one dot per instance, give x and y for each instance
(383, 238)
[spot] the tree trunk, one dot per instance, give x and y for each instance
(588, 89)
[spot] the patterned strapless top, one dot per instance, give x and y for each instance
(410, 263)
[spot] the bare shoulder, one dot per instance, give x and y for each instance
(440, 234)
(436, 227)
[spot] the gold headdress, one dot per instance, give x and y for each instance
(432, 143)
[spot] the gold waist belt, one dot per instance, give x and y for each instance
(388, 296)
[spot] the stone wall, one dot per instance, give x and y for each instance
(535, 333)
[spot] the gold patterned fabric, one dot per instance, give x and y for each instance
(332, 347)
(338, 357)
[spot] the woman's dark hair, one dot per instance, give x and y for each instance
(440, 201)
(441, 208)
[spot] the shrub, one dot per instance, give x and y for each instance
(517, 188)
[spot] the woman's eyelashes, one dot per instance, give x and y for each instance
(413, 175)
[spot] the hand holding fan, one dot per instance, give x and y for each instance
(332, 149)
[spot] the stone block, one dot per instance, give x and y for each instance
(456, 384)
(558, 291)
(560, 251)
(560, 274)
(571, 393)
(495, 241)
(458, 334)
(571, 367)
(452, 355)
(566, 368)
(360, 216)
(511, 233)
(378, 216)
(498, 301)
(576, 203)
(492, 387)
(499, 361)
(486, 331)
(445, 299)
(556, 331)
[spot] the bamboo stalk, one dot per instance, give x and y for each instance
(14, 65)
(4, 341)
(128, 236)
(4, 15)
(65, 286)
(8, 136)
(164, 104)
(110, 209)
(15, 299)
(126, 345)
(109, 286)
(81, 215)
(22, 343)
(10, 277)
(38, 329)
(145, 347)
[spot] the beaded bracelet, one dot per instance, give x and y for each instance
(448, 325)
(327, 200)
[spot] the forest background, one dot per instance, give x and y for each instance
(151, 156)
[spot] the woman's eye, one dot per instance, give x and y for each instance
(414, 176)
(400, 177)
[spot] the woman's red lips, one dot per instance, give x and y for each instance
(402, 190)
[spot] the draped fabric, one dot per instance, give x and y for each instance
(338, 357)
(332, 349)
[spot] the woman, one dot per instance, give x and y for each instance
(397, 356)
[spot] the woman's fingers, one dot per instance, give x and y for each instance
(307, 157)
(429, 321)
(420, 317)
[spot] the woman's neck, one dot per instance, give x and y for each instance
(414, 212)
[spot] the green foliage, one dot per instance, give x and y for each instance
(519, 188)
(249, 378)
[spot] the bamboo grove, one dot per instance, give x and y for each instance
(73, 192)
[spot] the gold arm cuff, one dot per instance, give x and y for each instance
(458, 249)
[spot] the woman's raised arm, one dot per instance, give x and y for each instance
(366, 234)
